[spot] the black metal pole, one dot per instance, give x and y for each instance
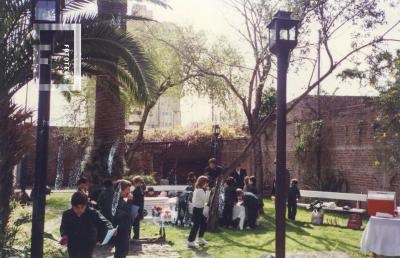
(280, 203)
(42, 138)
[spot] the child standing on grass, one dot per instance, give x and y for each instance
(200, 198)
(230, 201)
(293, 196)
(138, 200)
(80, 227)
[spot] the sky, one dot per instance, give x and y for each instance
(216, 18)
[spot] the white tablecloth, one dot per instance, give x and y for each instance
(382, 236)
(239, 211)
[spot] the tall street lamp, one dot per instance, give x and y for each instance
(44, 13)
(216, 130)
(283, 33)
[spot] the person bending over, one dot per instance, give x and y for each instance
(251, 203)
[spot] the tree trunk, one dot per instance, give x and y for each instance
(14, 140)
(140, 136)
(6, 164)
(212, 223)
(258, 165)
(109, 126)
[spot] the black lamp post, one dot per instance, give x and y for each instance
(283, 33)
(216, 130)
(45, 13)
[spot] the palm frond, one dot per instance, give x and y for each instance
(15, 45)
(76, 5)
(102, 39)
(162, 3)
(119, 74)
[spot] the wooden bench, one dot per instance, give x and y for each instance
(334, 196)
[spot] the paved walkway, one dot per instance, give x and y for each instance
(313, 255)
(142, 249)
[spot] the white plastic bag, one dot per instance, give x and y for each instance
(206, 211)
(317, 217)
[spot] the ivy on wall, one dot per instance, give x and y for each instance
(308, 136)
(308, 140)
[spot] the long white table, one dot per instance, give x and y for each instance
(168, 188)
(381, 236)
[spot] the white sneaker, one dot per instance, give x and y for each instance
(191, 244)
(202, 241)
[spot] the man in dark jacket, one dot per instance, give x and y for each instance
(80, 227)
(239, 174)
(123, 219)
(213, 172)
(138, 200)
(230, 201)
(293, 196)
(251, 203)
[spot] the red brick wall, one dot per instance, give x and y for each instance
(347, 137)
(72, 153)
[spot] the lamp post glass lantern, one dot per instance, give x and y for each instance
(46, 11)
(283, 34)
(216, 130)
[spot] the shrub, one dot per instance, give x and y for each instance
(148, 180)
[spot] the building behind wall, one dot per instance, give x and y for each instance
(142, 11)
(165, 114)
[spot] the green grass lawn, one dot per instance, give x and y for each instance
(301, 235)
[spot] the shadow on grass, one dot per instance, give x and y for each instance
(248, 246)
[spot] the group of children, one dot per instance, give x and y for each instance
(247, 197)
(88, 220)
(238, 188)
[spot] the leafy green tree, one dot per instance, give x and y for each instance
(248, 80)
(383, 73)
(163, 43)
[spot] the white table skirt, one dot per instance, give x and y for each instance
(239, 211)
(381, 236)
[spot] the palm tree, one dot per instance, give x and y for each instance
(102, 45)
(109, 123)
(15, 72)
(119, 62)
